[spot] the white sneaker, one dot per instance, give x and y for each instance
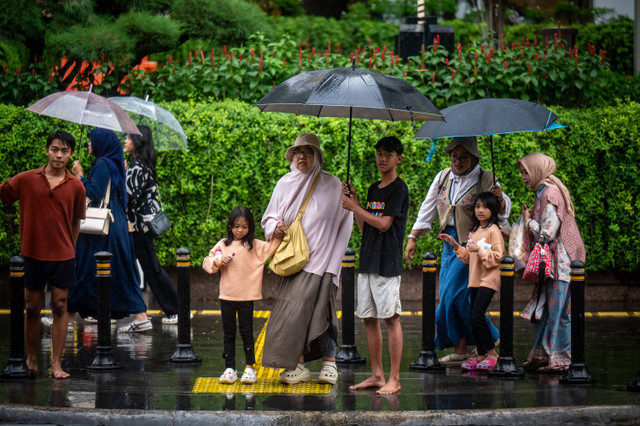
(249, 376)
(136, 326)
(92, 320)
(173, 319)
(229, 376)
(48, 322)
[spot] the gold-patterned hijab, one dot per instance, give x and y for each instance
(540, 169)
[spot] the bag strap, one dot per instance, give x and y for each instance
(305, 203)
(104, 202)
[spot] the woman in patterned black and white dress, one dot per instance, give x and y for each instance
(143, 205)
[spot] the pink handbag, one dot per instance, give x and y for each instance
(539, 259)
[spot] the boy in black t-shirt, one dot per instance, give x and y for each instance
(382, 223)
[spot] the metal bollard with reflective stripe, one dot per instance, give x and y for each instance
(184, 351)
(17, 367)
(577, 373)
(104, 358)
(348, 353)
(428, 359)
(506, 366)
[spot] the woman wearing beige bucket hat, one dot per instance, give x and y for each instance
(451, 198)
(303, 325)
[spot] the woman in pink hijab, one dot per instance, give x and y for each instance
(303, 325)
(552, 220)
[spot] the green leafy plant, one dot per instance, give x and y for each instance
(236, 156)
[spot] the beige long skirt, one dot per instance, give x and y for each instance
(305, 308)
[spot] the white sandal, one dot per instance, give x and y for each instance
(454, 359)
(291, 377)
(249, 376)
(328, 373)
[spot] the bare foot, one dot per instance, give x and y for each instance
(391, 387)
(371, 382)
(32, 366)
(59, 373)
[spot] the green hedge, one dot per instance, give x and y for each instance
(236, 155)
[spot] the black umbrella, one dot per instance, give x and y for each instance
(349, 92)
(488, 117)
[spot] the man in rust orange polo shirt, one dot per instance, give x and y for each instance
(52, 204)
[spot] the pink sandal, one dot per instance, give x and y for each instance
(487, 364)
(470, 365)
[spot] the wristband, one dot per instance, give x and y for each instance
(413, 237)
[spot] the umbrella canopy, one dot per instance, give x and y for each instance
(349, 92)
(488, 117)
(85, 108)
(167, 131)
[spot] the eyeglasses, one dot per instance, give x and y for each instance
(297, 152)
(461, 159)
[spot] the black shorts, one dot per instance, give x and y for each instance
(38, 273)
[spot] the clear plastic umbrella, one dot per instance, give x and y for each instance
(167, 131)
(85, 108)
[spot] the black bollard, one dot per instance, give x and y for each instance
(17, 367)
(506, 366)
(428, 359)
(184, 351)
(577, 373)
(104, 359)
(348, 353)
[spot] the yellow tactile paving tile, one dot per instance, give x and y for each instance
(267, 377)
(212, 385)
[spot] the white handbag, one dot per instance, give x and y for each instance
(98, 219)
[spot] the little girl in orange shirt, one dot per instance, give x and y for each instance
(483, 252)
(240, 258)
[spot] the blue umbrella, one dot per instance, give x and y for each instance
(488, 117)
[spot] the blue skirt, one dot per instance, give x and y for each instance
(126, 296)
(453, 315)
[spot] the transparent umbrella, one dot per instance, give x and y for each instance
(85, 108)
(167, 131)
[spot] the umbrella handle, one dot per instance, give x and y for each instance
(349, 151)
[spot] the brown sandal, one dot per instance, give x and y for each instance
(556, 369)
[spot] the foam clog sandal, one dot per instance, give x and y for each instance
(291, 377)
(328, 373)
(487, 364)
(470, 365)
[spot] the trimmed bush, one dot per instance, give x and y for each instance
(236, 156)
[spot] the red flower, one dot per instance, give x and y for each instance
(170, 59)
(339, 48)
(506, 64)
(446, 61)
(475, 70)
(224, 49)
(529, 67)
(535, 56)
(527, 42)
(239, 56)
(475, 57)
(453, 73)
(521, 54)
(370, 62)
(202, 55)
(489, 57)
(433, 77)
(284, 62)
(482, 49)
(253, 53)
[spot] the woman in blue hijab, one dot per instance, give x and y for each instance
(126, 297)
